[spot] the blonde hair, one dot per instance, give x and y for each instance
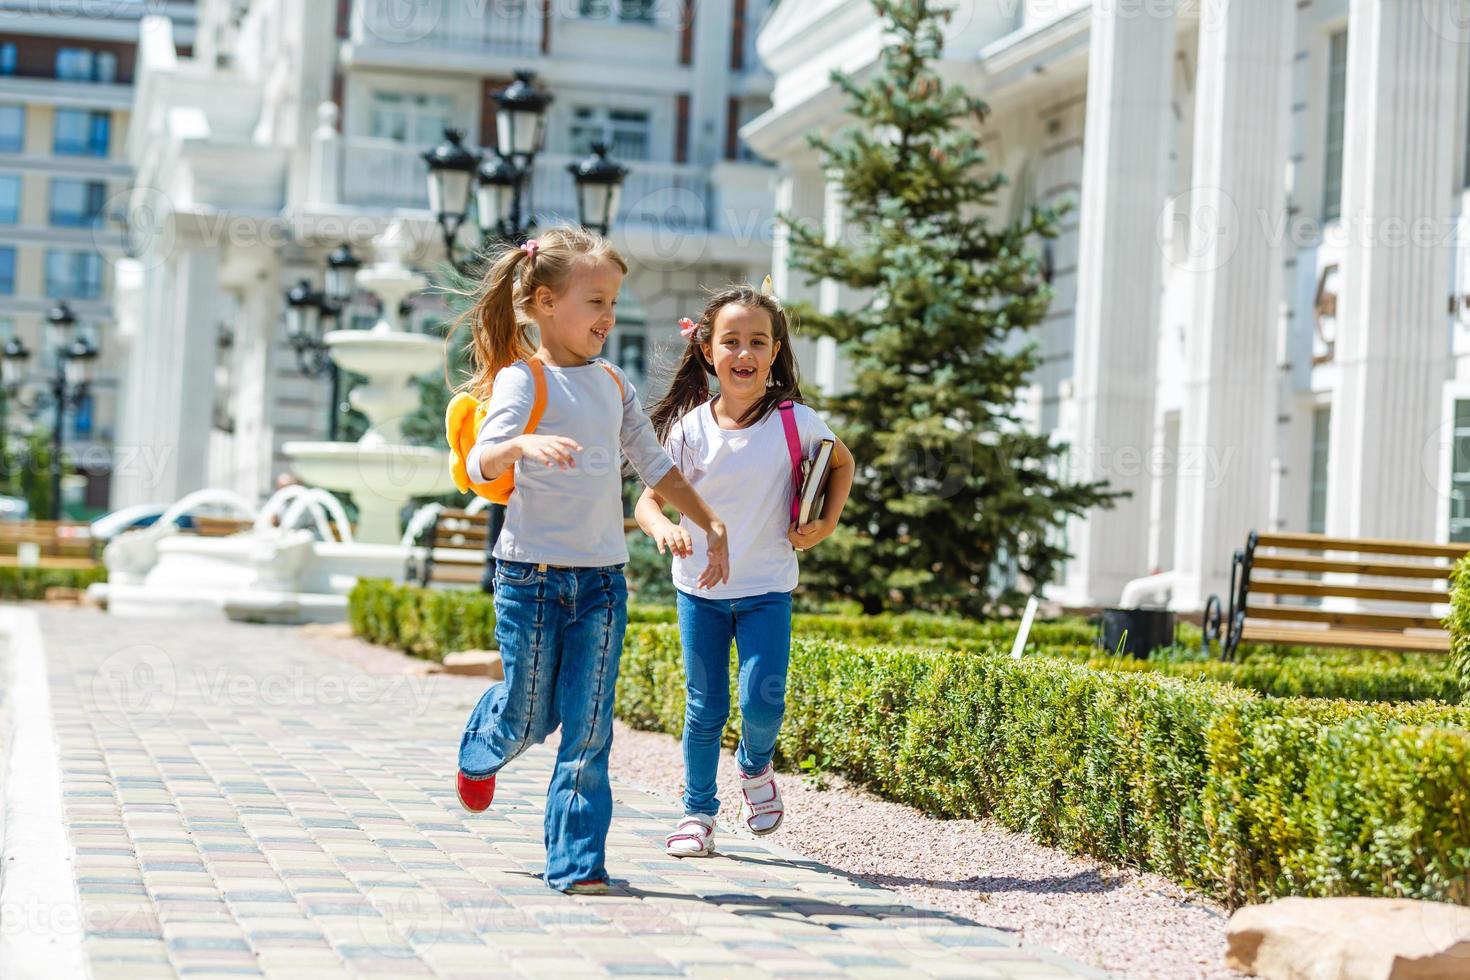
(499, 318)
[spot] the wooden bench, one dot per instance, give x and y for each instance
(1315, 590)
(63, 544)
(454, 549)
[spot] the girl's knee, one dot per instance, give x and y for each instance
(708, 719)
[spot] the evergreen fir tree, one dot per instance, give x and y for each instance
(952, 495)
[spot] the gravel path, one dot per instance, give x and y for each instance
(1128, 923)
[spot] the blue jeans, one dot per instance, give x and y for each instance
(561, 635)
(760, 625)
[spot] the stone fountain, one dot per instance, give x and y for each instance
(380, 472)
(279, 570)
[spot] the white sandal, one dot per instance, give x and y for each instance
(693, 838)
(749, 810)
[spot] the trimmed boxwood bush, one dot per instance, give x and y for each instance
(1458, 623)
(1304, 677)
(418, 620)
(1242, 796)
(32, 583)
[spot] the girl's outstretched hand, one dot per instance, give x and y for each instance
(550, 450)
(717, 547)
(674, 540)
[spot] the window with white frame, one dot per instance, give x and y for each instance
(1336, 125)
(12, 128)
(9, 199)
(419, 118)
(1321, 433)
(77, 203)
(73, 275)
(80, 133)
(1460, 473)
(86, 65)
(7, 270)
(625, 131)
(627, 11)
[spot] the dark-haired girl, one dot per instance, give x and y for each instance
(734, 449)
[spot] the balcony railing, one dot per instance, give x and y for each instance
(493, 26)
(383, 173)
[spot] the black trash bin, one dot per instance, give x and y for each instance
(1140, 631)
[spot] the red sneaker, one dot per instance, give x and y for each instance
(475, 794)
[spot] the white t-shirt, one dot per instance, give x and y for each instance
(745, 476)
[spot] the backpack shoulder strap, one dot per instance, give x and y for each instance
(538, 403)
(616, 380)
(793, 447)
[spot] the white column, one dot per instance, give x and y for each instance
(1124, 179)
(1392, 349)
(800, 191)
(176, 358)
(1237, 198)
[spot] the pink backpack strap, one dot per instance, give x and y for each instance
(793, 446)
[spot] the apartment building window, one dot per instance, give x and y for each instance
(628, 11)
(625, 131)
(408, 117)
(86, 65)
(7, 58)
(73, 275)
(12, 128)
(9, 199)
(1460, 474)
(1336, 122)
(1321, 432)
(7, 270)
(77, 203)
(82, 134)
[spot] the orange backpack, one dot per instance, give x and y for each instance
(462, 426)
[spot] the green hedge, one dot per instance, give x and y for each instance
(32, 583)
(1243, 796)
(432, 622)
(1303, 677)
(1458, 623)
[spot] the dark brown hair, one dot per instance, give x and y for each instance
(500, 326)
(690, 385)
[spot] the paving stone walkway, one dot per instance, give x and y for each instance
(241, 804)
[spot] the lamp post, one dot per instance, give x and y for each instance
(308, 309)
(67, 385)
(502, 177)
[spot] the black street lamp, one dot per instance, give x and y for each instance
(599, 189)
(503, 176)
(67, 385)
(308, 310)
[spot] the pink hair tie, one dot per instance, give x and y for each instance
(530, 247)
(687, 328)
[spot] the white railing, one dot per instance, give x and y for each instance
(492, 26)
(382, 173)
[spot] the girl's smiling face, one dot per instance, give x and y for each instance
(577, 323)
(741, 348)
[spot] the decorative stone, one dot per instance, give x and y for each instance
(475, 663)
(1350, 939)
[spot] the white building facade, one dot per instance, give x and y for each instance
(1262, 313)
(299, 124)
